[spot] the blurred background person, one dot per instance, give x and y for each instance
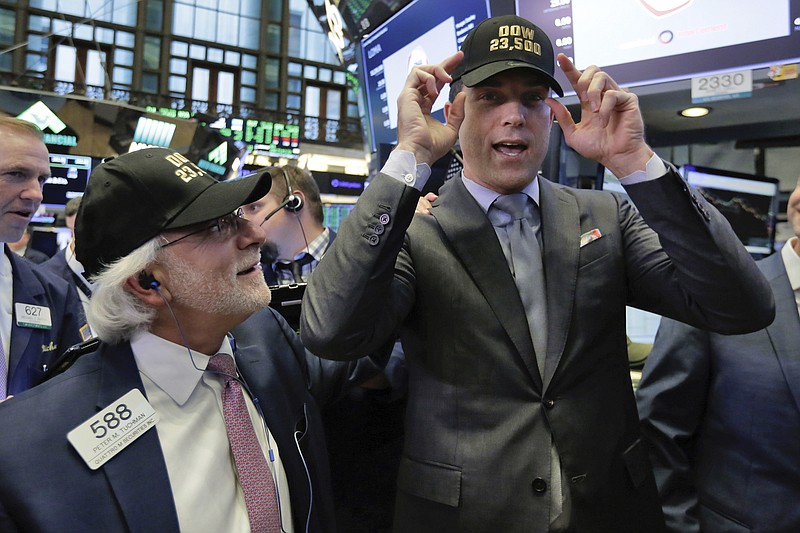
(65, 264)
(292, 218)
(721, 414)
(40, 314)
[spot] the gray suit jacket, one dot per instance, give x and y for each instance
(722, 417)
(477, 437)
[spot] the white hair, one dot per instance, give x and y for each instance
(115, 313)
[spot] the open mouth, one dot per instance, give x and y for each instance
(510, 148)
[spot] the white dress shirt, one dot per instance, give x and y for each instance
(77, 270)
(6, 302)
(191, 430)
(792, 263)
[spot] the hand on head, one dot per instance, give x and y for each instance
(611, 130)
(417, 131)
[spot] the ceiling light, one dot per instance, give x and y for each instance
(695, 112)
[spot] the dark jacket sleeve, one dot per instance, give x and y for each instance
(719, 280)
(326, 380)
(671, 399)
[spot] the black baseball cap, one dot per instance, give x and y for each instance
(498, 44)
(136, 196)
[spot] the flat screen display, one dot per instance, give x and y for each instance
(648, 41)
(69, 175)
(335, 208)
(747, 201)
(423, 32)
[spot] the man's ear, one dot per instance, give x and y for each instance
(153, 296)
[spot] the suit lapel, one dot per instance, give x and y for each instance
(284, 411)
(26, 289)
(561, 243)
(475, 243)
(784, 333)
(137, 475)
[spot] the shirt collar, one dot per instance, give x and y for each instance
(169, 365)
(6, 299)
(5, 262)
(792, 263)
(317, 247)
(75, 265)
(485, 196)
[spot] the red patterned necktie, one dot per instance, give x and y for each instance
(254, 474)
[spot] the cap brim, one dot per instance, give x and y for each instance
(485, 72)
(223, 198)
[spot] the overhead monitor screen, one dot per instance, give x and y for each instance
(649, 41)
(69, 175)
(262, 136)
(423, 32)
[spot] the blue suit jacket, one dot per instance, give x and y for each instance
(32, 349)
(722, 417)
(35, 256)
(45, 486)
(58, 265)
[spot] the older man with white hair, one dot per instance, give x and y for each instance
(198, 411)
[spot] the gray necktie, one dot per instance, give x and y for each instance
(518, 216)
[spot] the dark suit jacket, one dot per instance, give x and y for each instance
(32, 349)
(45, 486)
(722, 417)
(477, 406)
(58, 265)
(35, 256)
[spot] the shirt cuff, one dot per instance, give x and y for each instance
(402, 166)
(654, 169)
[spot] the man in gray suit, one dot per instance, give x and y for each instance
(492, 442)
(721, 414)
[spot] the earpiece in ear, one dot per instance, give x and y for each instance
(292, 202)
(147, 281)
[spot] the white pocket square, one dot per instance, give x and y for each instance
(590, 236)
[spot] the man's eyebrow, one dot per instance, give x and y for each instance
(24, 169)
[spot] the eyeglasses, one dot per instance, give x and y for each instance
(224, 227)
